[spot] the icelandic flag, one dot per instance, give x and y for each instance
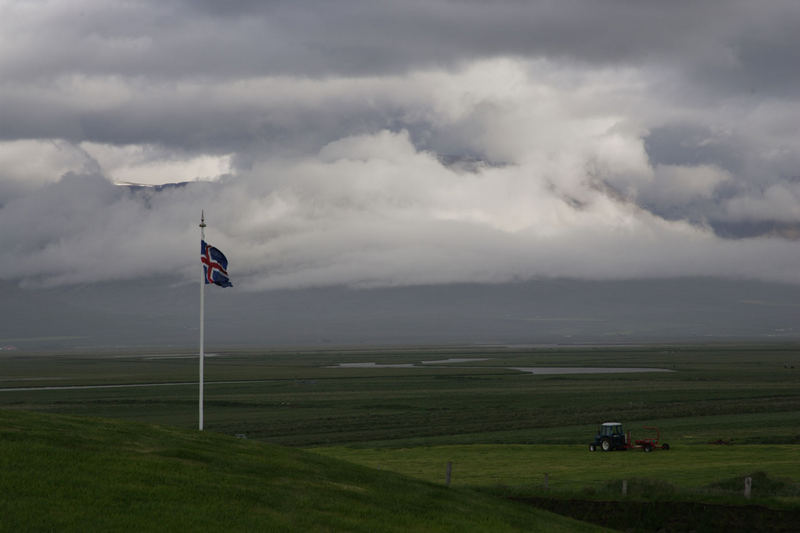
(215, 265)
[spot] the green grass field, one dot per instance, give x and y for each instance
(749, 394)
(83, 474)
(691, 471)
(502, 429)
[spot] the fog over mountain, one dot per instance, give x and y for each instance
(401, 156)
(126, 315)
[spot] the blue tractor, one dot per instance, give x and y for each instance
(610, 437)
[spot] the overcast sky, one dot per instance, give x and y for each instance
(377, 143)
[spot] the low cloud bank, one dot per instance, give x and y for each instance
(499, 170)
(375, 210)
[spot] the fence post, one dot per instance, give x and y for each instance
(447, 474)
(748, 485)
(624, 487)
(546, 480)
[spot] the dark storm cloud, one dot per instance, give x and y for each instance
(735, 41)
(391, 143)
(693, 144)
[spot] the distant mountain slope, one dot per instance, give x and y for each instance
(68, 474)
(165, 313)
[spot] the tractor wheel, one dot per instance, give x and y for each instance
(592, 447)
(665, 446)
(647, 448)
(605, 445)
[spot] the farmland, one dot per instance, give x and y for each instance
(745, 394)
(726, 411)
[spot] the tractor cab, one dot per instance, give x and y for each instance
(609, 429)
(610, 436)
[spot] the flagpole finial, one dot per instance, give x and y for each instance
(202, 219)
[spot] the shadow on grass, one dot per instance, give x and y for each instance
(652, 505)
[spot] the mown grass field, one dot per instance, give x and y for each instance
(690, 472)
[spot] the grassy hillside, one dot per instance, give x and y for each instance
(68, 473)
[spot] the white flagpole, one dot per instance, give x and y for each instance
(202, 317)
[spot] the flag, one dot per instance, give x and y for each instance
(215, 265)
